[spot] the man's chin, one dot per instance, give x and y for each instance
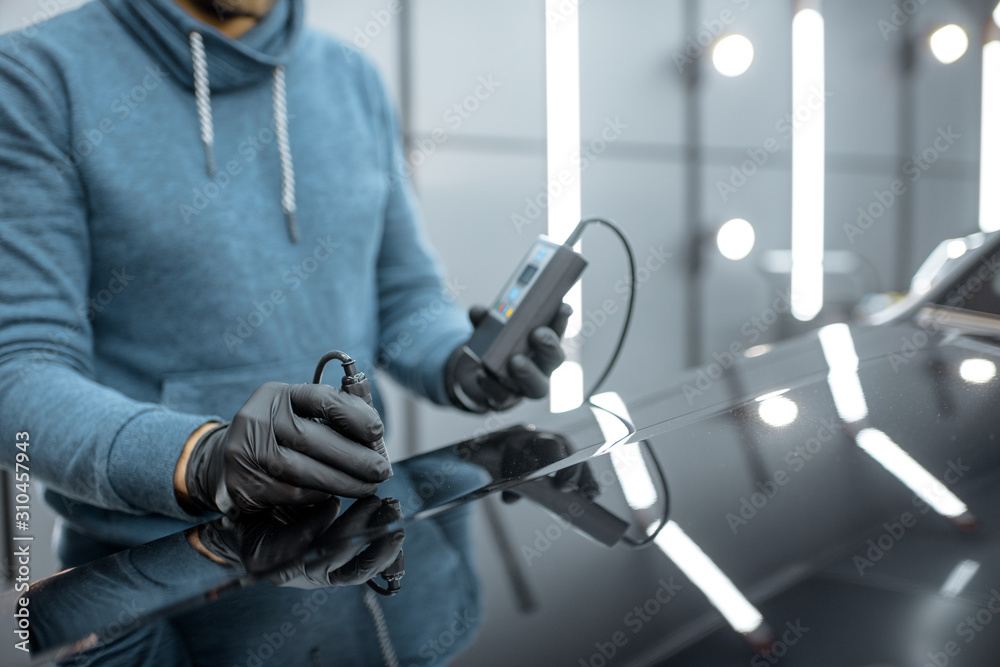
(231, 9)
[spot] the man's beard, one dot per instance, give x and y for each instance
(230, 9)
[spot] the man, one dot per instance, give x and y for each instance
(199, 199)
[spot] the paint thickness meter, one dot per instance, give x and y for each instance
(530, 299)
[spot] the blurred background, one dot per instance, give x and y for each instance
(683, 130)
(687, 119)
(687, 114)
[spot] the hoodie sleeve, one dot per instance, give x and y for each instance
(420, 320)
(87, 441)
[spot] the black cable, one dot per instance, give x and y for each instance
(573, 238)
(387, 592)
(394, 573)
(649, 539)
(342, 357)
(571, 241)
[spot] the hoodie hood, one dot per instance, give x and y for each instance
(203, 59)
(165, 28)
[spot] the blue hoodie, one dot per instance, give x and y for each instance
(150, 275)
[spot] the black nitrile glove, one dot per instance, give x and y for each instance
(471, 387)
(347, 563)
(276, 544)
(532, 450)
(274, 453)
(264, 542)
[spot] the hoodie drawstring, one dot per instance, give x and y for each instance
(203, 98)
(284, 152)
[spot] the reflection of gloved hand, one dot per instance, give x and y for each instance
(274, 454)
(342, 564)
(261, 542)
(532, 450)
(277, 542)
(471, 388)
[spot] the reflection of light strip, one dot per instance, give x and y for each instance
(989, 169)
(773, 394)
(634, 476)
(845, 385)
(612, 428)
(562, 82)
(959, 578)
(566, 392)
(707, 576)
(808, 168)
(637, 484)
(672, 540)
(881, 448)
(849, 398)
(923, 279)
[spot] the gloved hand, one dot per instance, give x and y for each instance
(471, 388)
(273, 453)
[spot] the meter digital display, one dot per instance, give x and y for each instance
(528, 300)
(529, 272)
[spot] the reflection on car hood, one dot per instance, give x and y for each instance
(792, 475)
